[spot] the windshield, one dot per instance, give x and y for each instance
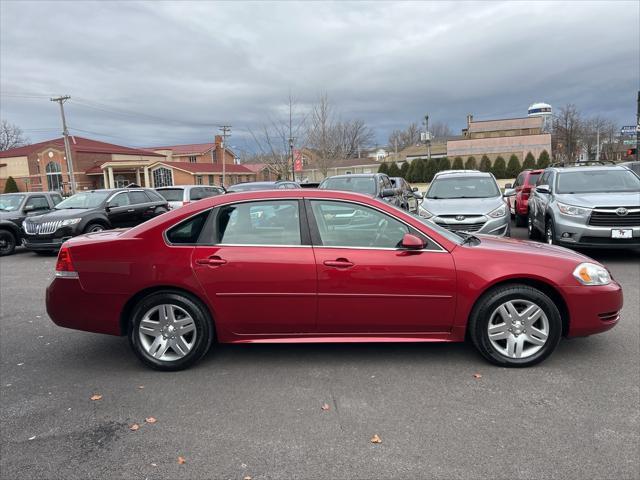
(171, 194)
(598, 181)
(9, 203)
(463, 187)
(83, 200)
(366, 185)
(246, 187)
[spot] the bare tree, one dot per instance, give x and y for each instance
(441, 131)
(602, 129)
(11, 136)
(567, 132)
(272, 141)
(354, 134)
(400, 139)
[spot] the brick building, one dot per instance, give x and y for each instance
(42, 166)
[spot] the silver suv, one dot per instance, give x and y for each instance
(586, 206)
(466, 200)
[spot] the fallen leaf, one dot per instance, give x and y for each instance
(376, 439)
(248, 477)
(134, 427)
(32, 438)
(325, 406)
(477, 375)
(20, 364)
(96, 397)
(150, 420)
(141, 387)
(181, 460)
(154, 464)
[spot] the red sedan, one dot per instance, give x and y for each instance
(323, 266)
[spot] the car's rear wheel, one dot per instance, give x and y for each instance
(521, 220)
(515, 326)
(7, 243)
(532, 232)
(170, 330)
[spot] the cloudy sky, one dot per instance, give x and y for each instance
(171, 72)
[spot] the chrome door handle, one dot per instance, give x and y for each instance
(211, 261)
(131, 210)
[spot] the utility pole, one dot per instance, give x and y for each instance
(67, 147)
(597, 144)
(224, 129)
(427, 137)
(638, 129)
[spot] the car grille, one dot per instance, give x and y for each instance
(607, 217)
(462, 227)
(46, 228)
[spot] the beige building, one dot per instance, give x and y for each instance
(493, 138)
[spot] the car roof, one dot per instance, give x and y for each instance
(185, 186)
(590, 168)
(362, 175)
(462, 173)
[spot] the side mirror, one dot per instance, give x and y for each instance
(543, 189)
(509, 192)
(389, 192)
(508, 186)
(418, 195)
(412, 242)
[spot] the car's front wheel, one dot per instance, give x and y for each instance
(550, 232)
(532, 232)
(7, 242)
(170, 330)
(515, 326)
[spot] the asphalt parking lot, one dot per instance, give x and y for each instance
(256, 410)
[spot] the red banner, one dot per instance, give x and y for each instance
(297, 160)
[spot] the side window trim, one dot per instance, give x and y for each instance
(316, 240)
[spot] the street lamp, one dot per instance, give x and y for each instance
(293, 167)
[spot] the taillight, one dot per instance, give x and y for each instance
(64, 265)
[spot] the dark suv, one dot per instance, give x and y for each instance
(410, 195)
(14, 208)
(377, 185)
(91, 211)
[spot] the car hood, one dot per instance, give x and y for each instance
(462, 206)
(528, 247)
(12, 215)
(60, 215)
(610, 199)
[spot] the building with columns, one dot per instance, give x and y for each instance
(42, 166)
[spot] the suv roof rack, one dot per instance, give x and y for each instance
(582, 164)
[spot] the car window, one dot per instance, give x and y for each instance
(56, 199)
(138, 196)
(172, 194)
(598, 181)
(120, 200)
(519, 180)
(196, 193)
(84, 200)
(274, 222)
(533, 178)
(366, 185)
(386, 182)
(463, 187)
(543, 179)
(342, 224)
(188, 231)
(10, 202)
(38, 203)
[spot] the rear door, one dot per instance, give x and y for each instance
(367, 284)
(121, 213)
(144, 206)
(258, 268)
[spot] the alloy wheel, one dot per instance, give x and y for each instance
(167, 332)
(95, 228)
(549, 233)
(7, 243)
(518, 328)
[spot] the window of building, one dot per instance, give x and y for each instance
(54, 176)
(198, 179)
(211, 180)
(259, 223)
(162, 177)
(193, 159)
(121, 181)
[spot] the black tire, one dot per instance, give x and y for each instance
(159, 211)
(94, 227)
(550, 232)
(521, 220)
(489, 302)
(7, 243)
(203, 328)
(532, 231)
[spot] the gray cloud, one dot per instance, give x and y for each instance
(129, 65)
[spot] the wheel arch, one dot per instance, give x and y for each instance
(547, 288)
(12, 228)
(97, 220)
(133, 301)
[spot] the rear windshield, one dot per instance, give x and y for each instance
(598, 181)
(463, 187)
(171, 194)
(533, 178)
(245, 187)
(366, 185)
(84, 200)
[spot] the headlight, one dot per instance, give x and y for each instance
(423, 212)
(501, 211)
(571, 210)
(591, 274)
(70, 221)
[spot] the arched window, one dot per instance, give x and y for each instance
(54, 176)
(162, 177)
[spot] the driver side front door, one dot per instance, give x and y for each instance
(367, 284)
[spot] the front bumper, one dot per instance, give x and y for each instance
(574, 232)
(477, 224)
(593, 309)
(35, 242)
